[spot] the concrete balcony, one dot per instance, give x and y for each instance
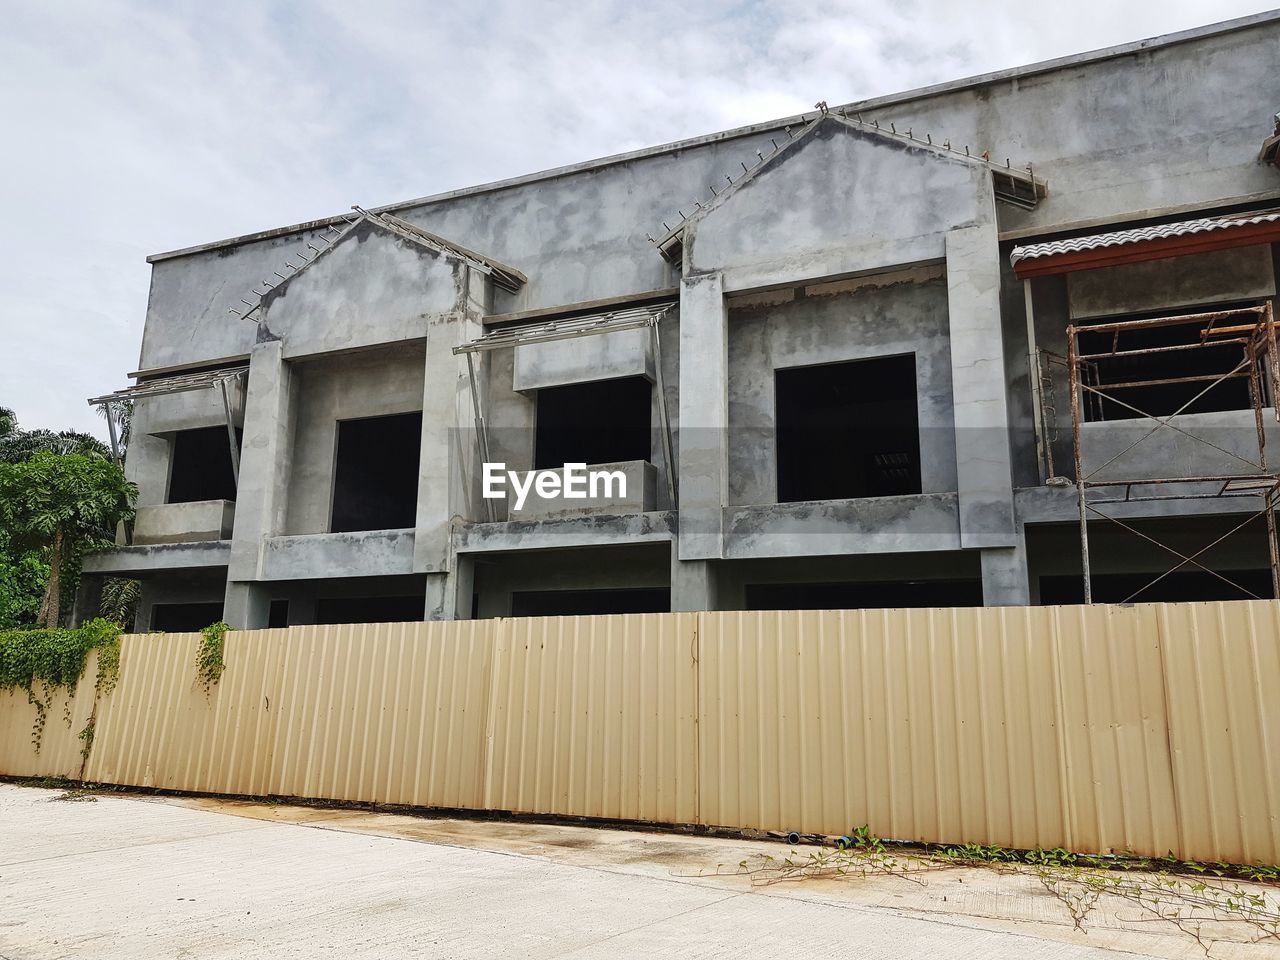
(633, 489)
(192, 522)
(320, 556)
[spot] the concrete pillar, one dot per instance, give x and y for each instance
(692, 584)
(264, 477)
(704, 417)
(247, 606)
(1006, 581)
(983, 463)
(449, 594)
(449, 464)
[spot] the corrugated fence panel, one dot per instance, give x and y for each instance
(60, 743)
(923, 724)
(393, 713)
(160, 728)
(1222, 670)
(594, 717)
(1114, 723)
(1147, 728)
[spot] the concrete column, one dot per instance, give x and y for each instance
(449, 594)
(263, 486)
(449, 465)
(983, 463)
(692, 584)
(1006, 581)
(704, 417)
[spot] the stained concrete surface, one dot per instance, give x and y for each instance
(136, 876)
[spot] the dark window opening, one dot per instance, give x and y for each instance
(848, 430)
(864, 595)
(606, 421)
(1175, 588)
(577, 603)
(370, 609)
(201, 466)
(184, 617)
(278, 614)
(1161, 399)
(375, 482)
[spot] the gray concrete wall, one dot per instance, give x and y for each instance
(369, 553)
(837, 201)
(184, 522)
(371, 287)
(606, 356)
(873, 316)
(1243, 273)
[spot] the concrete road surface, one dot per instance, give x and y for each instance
(138, 877)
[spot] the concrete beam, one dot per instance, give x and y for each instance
(158, 558)
(368, 553)
(579, 531)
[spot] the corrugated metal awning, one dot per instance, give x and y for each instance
(1146, 243)
(166, 385)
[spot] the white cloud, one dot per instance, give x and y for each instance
(134, 127)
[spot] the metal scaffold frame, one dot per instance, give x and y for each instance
(1253, 331)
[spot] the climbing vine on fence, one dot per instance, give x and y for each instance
(44, 662)
(209, 663)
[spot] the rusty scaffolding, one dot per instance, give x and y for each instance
(1251, 331)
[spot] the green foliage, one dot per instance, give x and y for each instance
(22, 582)
(83, 496)
(62, 504)
(39, 570)
(209, 663)
(86, 740)
(119, 600)
(54, 660)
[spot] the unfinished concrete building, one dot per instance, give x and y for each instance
(882, 354)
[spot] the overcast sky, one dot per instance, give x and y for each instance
(131, 128)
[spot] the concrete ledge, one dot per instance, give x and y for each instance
(161, 557)
(196, 521)
(579, 531)
(369, 553)
(1144, 450)
(910, 524)
(641, 496)
(1042, 505)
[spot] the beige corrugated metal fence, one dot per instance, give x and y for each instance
(1147, 728)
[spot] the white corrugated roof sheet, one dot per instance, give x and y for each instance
(1123, 237)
